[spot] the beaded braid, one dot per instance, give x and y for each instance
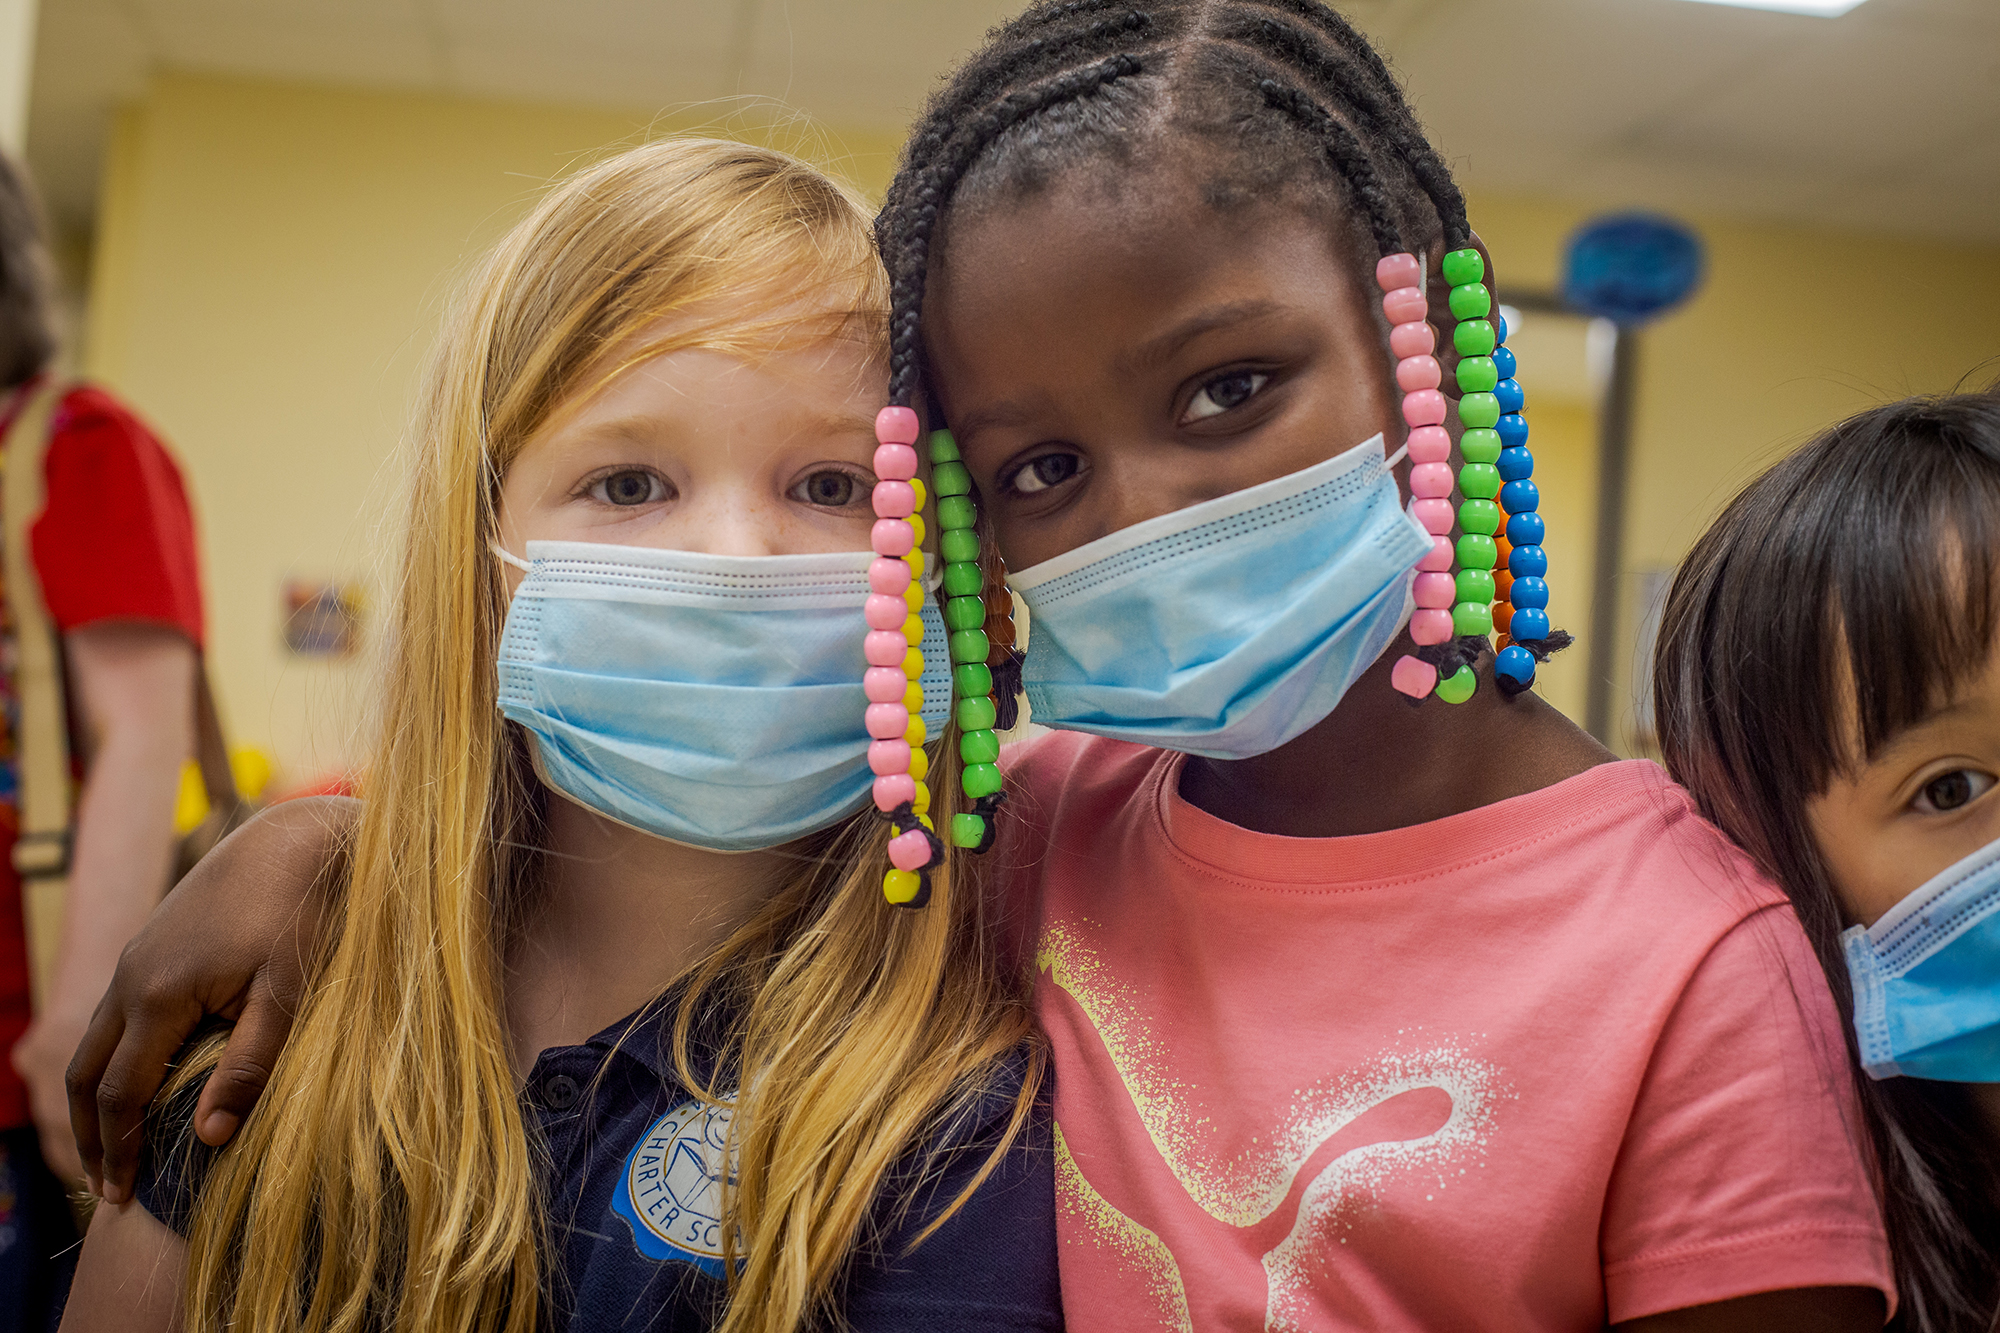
(896, 663)
(1018, 75)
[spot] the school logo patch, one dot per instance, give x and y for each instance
(670, 1192)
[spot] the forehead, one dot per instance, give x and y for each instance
(1114, 259)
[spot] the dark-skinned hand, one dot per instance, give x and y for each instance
(234, 939)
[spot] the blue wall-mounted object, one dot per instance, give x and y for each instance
(1631, 267)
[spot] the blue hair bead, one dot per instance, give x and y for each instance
(1528, 562)
(1521, 497)
(1529, 594)
(1525, 530)
(1500, 335)
(1503, 360)
(1513, 429)
(1516, 463)
(1530, 624)
(1516, 666)
(1510, 395)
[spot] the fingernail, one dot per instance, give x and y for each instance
(218, 1126)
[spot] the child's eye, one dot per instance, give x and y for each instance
(1949, 791)
(1222, 393)
(1042, 473)
(630, 486)
(831, 488)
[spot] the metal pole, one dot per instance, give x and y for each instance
(1614, 460)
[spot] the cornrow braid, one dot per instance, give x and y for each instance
(1373, 95)
(934, 189)
(1349, 158)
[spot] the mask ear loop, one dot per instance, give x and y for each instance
(507, 557)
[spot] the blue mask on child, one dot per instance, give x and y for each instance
(712, 700)
(1927, 978)
(1227, 628)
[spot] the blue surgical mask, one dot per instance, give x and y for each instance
(1227, 628)
(708, 699)
(1927, 978)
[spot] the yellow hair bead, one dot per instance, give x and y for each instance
(915, 560)
(913, 632)
(914, 596)
(915, 732)
(916, 522)
(925, 820)
(920, 766)
(913, 698)
(900, 886)
(922, 801)
(913, 663)
(917, 485)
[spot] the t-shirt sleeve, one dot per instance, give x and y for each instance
(116, 539)
(992, 1264)
(1743, 1167)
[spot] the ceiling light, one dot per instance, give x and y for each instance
(1825, 9)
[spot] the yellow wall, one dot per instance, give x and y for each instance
(270, 265)
(271, 260)
(1792, 330)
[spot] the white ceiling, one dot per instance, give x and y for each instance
(1886, 119)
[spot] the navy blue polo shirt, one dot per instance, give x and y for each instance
(632, 1167)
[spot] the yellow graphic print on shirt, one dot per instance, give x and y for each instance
(1288, 1195)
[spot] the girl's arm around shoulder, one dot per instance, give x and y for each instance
(128, 1279)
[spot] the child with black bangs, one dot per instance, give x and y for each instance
(1827, 688)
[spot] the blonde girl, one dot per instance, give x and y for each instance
(493, 1112)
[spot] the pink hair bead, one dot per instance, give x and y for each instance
(1440, 557)
(1435, 515)
(1405, 305)
(1394, 271)
(894, 789)
(1413, 676)
(894, 499)
(888, 576)
(896, 425)
(1429, 444)
(885, 648)
(895, 462)
(910, 851)
(1412, 373)
(893, 536)
(1436, 591)
(885, 722)
(884, 612)
(1425, 407)
(1430, 626)
(1428, 481)
(884, 684)
(887, 758)
(1415, 338)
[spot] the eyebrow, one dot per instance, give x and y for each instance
(1157, 351)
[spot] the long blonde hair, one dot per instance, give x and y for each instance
(386, 1179)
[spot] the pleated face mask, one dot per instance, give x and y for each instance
(1927, 978)
(1227, 628)
(711, 700)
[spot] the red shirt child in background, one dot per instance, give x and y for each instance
(114, 557)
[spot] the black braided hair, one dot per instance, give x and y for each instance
(1278, 85)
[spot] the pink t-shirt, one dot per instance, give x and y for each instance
(1561, 1060)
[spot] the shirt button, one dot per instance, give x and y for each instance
(560, 1092)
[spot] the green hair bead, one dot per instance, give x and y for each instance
(964, 578)
(1464, 266)
(980, 747)
(967, 830)
(1477, 410)
(976, 713)
(1470, 300)
(1459, 686)
(1480, 518)
(972, 678)
(964, 613)
(969, 645)
(959, 546)
(956, 514)
(1477, 551)
(1481, 444)
(1471, 618)
(950, 479)
(1474, 337)
(1475, 585)
(944, 449)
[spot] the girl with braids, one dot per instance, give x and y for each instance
(1850, 742)
(1379, 996)
(632, 757)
